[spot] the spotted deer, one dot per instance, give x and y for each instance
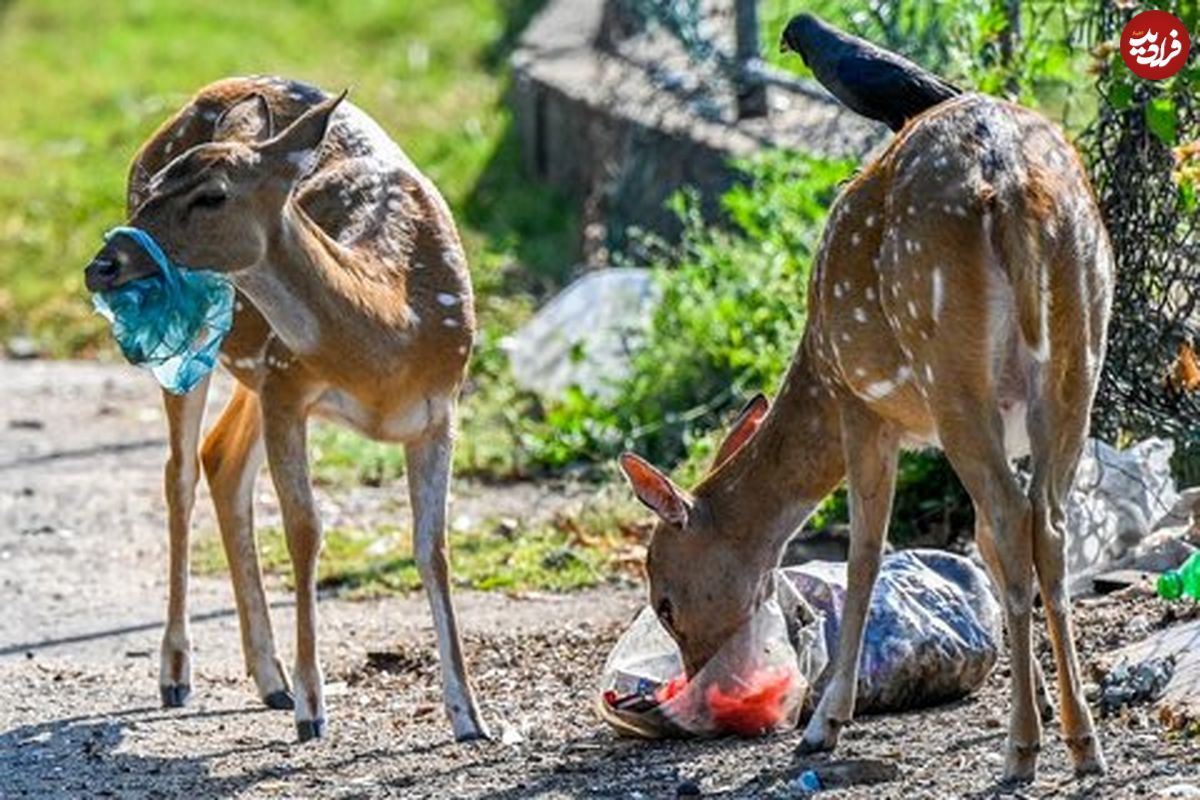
(353, 302)
(959, 300)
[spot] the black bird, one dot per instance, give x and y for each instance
(871, 81)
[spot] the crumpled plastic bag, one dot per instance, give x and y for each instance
(1118, 497)
(586, 335)
(172, 324)
(933, 632)
(753, 685)
(933, 635)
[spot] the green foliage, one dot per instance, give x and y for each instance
(733, 305)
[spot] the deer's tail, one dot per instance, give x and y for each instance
(1016, 234)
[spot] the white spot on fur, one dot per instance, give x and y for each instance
(870, 221)
(912, 211)
(870, 293)
(845, 337)
(452, 259)
(447, 299)
(860, 315)
(878, 390)
(450, 322)
(838, 291)
(929, 374)
(856, 239)
(859, 372)
(938, 294)
(912, 309)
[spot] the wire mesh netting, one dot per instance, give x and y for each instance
(1146, 389)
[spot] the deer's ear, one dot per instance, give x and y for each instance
(247, 120)
(656, 490)
(294, 151)
(744, 427)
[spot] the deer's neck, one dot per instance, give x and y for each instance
(308, 286)
(770, 487)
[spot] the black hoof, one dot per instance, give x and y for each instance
(174, 696)
(280, 700)
(480, 735)
(308, 729)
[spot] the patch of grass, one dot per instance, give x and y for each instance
(602, 542)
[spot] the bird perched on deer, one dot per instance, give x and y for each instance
(871, 81)
(960, 299)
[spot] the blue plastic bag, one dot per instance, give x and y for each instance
(172, 324)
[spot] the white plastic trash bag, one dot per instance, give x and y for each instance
(1118, 498)
(586, 335)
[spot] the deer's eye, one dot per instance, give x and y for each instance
(664, 613)
(209, 198)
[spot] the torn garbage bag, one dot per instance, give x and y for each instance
(933, 635)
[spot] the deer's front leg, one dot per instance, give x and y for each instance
(871, 448)
(285, 430)
(184, 415)
(428, 483)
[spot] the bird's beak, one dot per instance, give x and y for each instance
(784, 47)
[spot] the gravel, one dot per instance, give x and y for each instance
(82, 567)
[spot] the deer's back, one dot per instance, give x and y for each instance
(916, 282)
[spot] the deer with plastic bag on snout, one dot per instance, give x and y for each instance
(353, 302)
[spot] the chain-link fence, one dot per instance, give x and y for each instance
(1131, 146)
(1153, 224)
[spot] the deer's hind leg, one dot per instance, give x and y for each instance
(232, 457)
(971, 429)
(987, 551)
(184, 416)
(1058, 424)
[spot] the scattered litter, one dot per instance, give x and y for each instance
(509, 735)
(22, 348)
(1127, 686)
(1175, 583)
(831, 775)
(585, 336)
(932, 636)
(1118, 498)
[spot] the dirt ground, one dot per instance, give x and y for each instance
(82, 590)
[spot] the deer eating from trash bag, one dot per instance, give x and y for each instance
(960, 300)
(354, 302)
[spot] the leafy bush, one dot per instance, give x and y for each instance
(732, 310)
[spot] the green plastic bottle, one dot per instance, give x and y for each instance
(1175, 583)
